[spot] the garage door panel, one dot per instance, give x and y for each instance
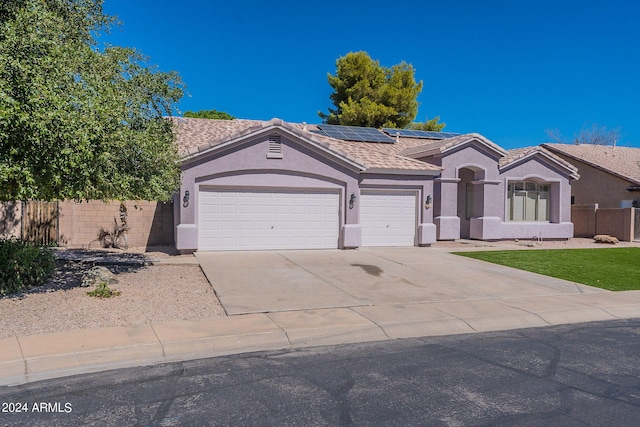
(244, 220)
(388, 219)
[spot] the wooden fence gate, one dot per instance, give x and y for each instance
(40, 222)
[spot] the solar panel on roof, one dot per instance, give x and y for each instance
(412, 133)
(354, 133)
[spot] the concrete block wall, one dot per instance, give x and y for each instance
(584, 220)
(615, 222)
(590, 220)
(10, 219)
(150, 223)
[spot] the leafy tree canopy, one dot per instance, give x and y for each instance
(367, 94)
(209, 114)
(77, 120)
(432, 125)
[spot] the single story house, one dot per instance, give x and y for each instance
(250, 184)
(610, 175)
(609, 187)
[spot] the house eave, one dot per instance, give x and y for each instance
(490, 147)
(395, 171)
(572, 173)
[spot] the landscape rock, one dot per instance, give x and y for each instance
(528, 244)
(97, 275)
(605, 238)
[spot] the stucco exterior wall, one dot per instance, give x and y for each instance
(542, 171)
(302, 166)
(598, 186)
(477, 165)
(150, 223)
(246, 164)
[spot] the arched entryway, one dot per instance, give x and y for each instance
(470, 197)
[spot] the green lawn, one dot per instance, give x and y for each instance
(615, 269)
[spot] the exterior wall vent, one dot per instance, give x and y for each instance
(274, 150)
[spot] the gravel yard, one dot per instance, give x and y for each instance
(156, 292)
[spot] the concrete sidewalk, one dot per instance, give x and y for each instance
(37, 357)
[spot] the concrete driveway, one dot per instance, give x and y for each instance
(276, 281)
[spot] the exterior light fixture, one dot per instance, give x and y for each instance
(428, 202)
(185, 199)
(352, 200)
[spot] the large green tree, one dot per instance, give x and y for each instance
(368, 94)
(209, 114)
(79, 120)
(433, 125)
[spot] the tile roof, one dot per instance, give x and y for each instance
(440, 146)
(621, 161)
(198, 135)
(192, 132)
(516, 154)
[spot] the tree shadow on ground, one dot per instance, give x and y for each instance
(71, 264)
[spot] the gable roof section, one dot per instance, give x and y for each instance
(520, 155)
(445, 145)
(197, 136)
(623, 162)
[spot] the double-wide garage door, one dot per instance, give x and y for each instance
(249, 220)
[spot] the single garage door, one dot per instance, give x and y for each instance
(246, 220)
(388, 218)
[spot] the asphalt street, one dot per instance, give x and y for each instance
(578, 374)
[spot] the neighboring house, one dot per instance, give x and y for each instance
(610, 176)
(276, 185)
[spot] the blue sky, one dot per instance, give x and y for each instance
(508, 69)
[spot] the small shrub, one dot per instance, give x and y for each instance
(103, 291)
(23, 265)
(114, 237)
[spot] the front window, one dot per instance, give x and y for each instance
(528, 201)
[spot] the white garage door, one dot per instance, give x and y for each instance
(245, 220)
(388, 219)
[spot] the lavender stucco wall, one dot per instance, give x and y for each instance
(559, 225)
(245, 164)
(478, 165)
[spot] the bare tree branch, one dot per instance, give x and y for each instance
(597, 135)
